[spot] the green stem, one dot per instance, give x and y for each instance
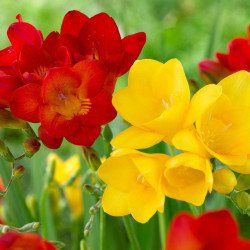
(203, 208)
(193, 209)
(162, 228)
(171, 150)
(131, 233)
(102, 231)
(43, 212)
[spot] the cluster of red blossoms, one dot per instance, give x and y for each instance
(238, 58)
(66, 81)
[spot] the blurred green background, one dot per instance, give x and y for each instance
(190, 30)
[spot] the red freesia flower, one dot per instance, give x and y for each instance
(71, 103)
(24, 241)
(238, 58)
(98, 38)
(210, 231)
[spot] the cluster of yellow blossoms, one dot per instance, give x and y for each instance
(214, 123)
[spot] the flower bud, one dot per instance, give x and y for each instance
(8, 120)
(107, 133)
(91, 157)
(18, 171)
(33, 226)
(224, 181)
(31, 146)
(88, 226)
(243, 200)
(243, 182)
(93, 190)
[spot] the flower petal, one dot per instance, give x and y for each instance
(7, 56)
(47, 140)
(134, 137)
(187, 140)
(132, 45)
(119, 172)
(25, 102)
(237, 88)
(170, 83)
(201, 101)
(73, 22)
(100, 37)
(115, 202)
(55, 124)
(101, 111)
(93, 77)
(84, 136)
(22, 33)
(140, 207)
(8, 84)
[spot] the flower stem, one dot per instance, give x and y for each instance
(171, 150)
(193, 209)
(131, 233)
(43, 212)
(102, 231)
(162, 228)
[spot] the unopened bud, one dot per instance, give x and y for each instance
(83, 245)
(91, 157)
(107, 133)
(243, 182)
(224, 181)
(8, 120)
(243, 200)
(93, 190)
(5, 229)
(18, 171)
(30, 227)
(31, 146)
(58, 244)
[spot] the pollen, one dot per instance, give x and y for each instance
(41, 70)
(85, 106)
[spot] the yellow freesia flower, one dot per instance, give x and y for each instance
(63, 171)
(134, 184)
(156, 102)
(224, 181)
(223, 129)
(188, 177)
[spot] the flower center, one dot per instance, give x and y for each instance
(41, 70)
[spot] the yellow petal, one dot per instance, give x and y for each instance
(119, 172)
(237, 87)
(243, 168)
(187, 140)
(74, 198)
(137, 107)
(201, 101)
(134, 137)
(169, 122)
(170, 83)
(115, 202)
(151, 168)
(141, 74)
(143, 203)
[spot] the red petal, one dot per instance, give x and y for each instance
(34, 60)
(62, 57)
(84, 136)
(7, 56)
(73, 22)
(23, 33)
(100, 37)
(239, 54)
(182, 234)
(55, 124)
(47, 140)
(93, 76)
(132, 45)
(25, 102)
(223, 60)
(51, 43)
(63, 79)
(101, 111)
(215, 225)
(8, 84)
